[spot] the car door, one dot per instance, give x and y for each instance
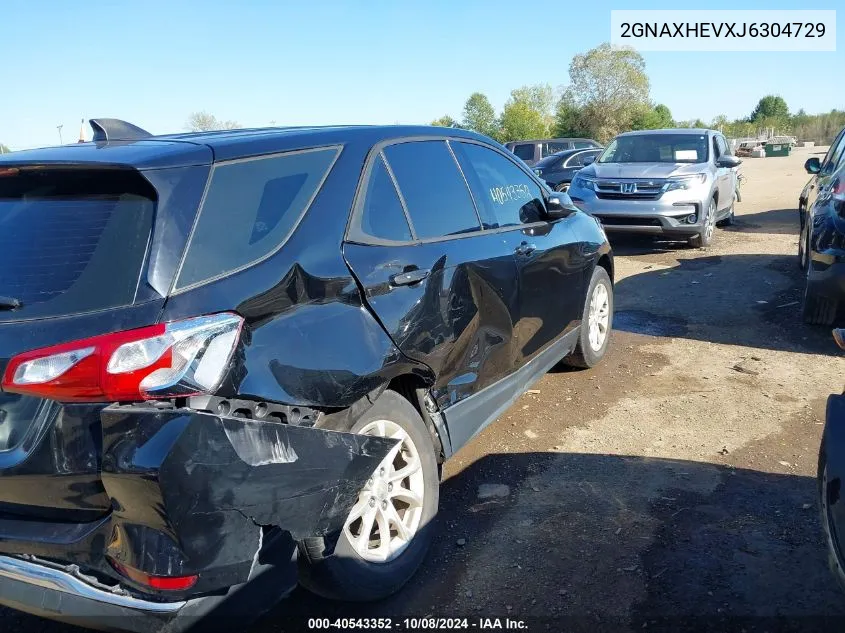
(821, 182)
(443, 285)
(547, 258)
(723, 175)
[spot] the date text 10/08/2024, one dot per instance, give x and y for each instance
(417, 624)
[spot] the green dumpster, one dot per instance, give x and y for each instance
(778, 149)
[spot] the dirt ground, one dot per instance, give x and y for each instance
(671, 488)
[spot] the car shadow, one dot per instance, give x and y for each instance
(776, 221)
(748, 300)
(574, 533)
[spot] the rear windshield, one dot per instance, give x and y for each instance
(657, 148)
(71, 240)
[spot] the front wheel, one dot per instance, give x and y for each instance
(596, 322)
(389, 529)
(562, 187)
(708, 228)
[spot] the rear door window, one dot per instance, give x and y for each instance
(554, 148)
(583, 144)
(250, 209)
(72, 240)
(435, 193)
(502, 190)
(383, 215)
(525, 152)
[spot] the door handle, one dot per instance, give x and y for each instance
(409, 278)
(525, 249)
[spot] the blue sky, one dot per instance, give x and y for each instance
(320, 62)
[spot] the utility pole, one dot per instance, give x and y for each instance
(59, 128)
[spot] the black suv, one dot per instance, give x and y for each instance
(233, 361)
(821, 246)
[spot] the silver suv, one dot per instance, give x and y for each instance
(678, 183)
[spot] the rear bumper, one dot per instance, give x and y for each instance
(193, 493)
(52, 593)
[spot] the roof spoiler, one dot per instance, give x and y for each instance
(116, 130)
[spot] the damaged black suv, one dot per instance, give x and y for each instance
(233, 361)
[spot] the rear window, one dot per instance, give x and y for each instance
(525, 152)
(433, 188)
(250, 209)
(383, 216)
(72, 240)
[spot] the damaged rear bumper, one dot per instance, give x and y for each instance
(192, 493)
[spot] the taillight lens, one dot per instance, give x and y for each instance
(161, 361)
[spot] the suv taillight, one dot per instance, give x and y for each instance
(168, 360)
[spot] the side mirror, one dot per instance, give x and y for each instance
(813, 165)
(838, 333)
(589, 160)
(559, 206)
(728, 161)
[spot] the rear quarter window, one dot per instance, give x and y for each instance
(525, 152)
(250, 209)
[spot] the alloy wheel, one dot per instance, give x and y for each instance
(599, 316)
(387, 514)
(710, 221)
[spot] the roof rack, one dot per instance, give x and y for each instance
(116, 130)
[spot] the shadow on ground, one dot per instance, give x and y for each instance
(692, 545)
(749, 300)
(777, 221)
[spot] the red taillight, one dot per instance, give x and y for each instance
(161, 361)
(164, 583)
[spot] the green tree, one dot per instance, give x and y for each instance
(610, 87)
(720, 122)
(770, 107)
(205, 122)
(528, 113)
(480, 116)
(569, 119)
(652, 118)
(445, 121)
(4, 149)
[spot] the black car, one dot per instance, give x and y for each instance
(234, 361)
(558, 169)
(821, 246)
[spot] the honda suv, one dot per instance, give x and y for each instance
(233, 361)
(677, 183)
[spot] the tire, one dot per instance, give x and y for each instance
(833, 559)
(804, 248)
(708, 231)
(816, 309)
(586, 354)
(562, 187)
(344, 574)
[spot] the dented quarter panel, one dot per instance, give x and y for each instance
(309, 339)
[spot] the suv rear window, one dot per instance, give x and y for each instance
(525, 152)
(250, 209)
(72, 240)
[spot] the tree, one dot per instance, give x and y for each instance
(528, 113)
(652, 118)
(720, 122)
(480, 116)
(445, 121)
(205, 122)
(609, 86)
(770, 107)
(568, 119)
(4, 149)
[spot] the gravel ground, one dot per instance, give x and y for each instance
(671, 488)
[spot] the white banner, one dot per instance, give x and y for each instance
(723, 30)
